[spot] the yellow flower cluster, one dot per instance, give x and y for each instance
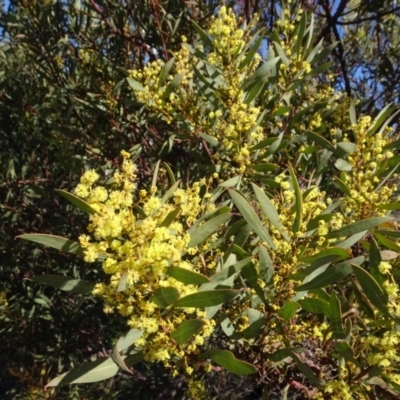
(383, 352)
(154, 95)
(232, 122)
(197, 390)
(285, 27)
(137, 248)
(392, 289)
(336, 390)
(314, 204)
(227, 37)
(366, 190)
(296, 332)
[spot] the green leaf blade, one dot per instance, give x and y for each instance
(200, 233)
(328, 277)
(188, 277)
(250, 216)
(65, 283)
(207, 298)
(186, 330)
(165, 296)
(227, 360)
(56, 242)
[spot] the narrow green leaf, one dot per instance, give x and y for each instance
(253, 91)
(306, 371)
(227, 360)
(232, 182)
(341, 254)
(320, 140)
(348, 147)
(300, 29)
(254, 329)
(186, 276)
(353, 117)
(95, 371)
(66, 283)
(254, 315)
(288, 311)
(135, 85)
(275, 145)
(328, 277)
(164, 72)
(390, 206)
(335, 316)
(359, 226)
(250, 54)
(263, 167)
(394, 234)
(207, 298)
(343, 165)
(265, 71)
(209, 139)
(202, 232)
(320, 55)
(228, 271)
(342, 186)
(170, 192)
(281, 54)
(282, 110)
(56, 242)
(381, 118)
(345, 351)
(127, 340)
(122, 344)
(133, 359)
(203, 35)
(387, 242)
(170, 173)
(176, 81)
(227, 326)
(371, 288)
(281, 354)
(211, 311)
(392, 145)
(186, 330)
(352, 240)
(299, 201)
(165, 296)
(321, 68)
(170, 218)
(242, 236)
(315, 305)
(155, 173)
(270, 211)
(263, 144)
(251, 217)
(123, 283)
(250, 273)
(309, 34)
(266, 265)
(218, 211)
(76, 201)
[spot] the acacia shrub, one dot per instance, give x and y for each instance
(276, 253)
